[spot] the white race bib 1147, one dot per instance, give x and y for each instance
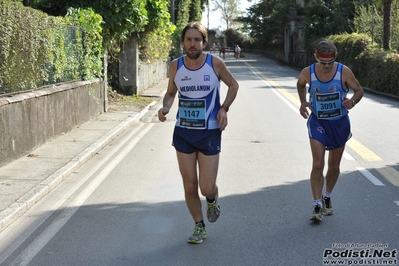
(192, 113)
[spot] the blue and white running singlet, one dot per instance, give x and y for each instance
(199, 95)
(326, 97)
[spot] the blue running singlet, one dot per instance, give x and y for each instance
(329, 122)
(199, 95)
(326, 97)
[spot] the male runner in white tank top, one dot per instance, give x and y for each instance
(200, 120)
(328, 123)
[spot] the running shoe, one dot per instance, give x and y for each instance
(317, 214)
(213, 211)
(199, 234)
(327, 206)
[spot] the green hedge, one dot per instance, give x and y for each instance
(374, 68)
(37, 49)
(379, 70)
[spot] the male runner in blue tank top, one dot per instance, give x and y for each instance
(200, 120)
(328, 123)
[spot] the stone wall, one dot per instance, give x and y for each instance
(150, 74)
(28, 120)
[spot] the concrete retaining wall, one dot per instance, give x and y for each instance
(28, 120)
(150, 74)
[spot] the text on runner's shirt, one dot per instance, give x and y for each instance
(195, 88)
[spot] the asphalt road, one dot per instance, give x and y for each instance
(126, 205)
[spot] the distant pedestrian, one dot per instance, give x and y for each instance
(195, 77)
(328, 123)
(237, 51)
(224, 51)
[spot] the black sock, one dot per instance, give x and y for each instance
(210, 200)
(201, 222)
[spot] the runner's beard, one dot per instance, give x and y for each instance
(193, 55)
(327, 68)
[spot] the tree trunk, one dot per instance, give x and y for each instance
(387, 24)
(27, 2)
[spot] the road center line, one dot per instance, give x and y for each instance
(363, 151)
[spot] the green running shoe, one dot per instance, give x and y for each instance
(198, 236)
(317, 214)
(213, 210)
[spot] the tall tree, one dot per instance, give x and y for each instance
(229, 10)
(266, 21)
(387, 24)
(323, 18)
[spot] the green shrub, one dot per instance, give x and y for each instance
(350, 46)
(90, 54)
(380, 71)
(374, 68)
(36, 49)
(23, 46)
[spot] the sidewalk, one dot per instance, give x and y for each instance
(28, 179)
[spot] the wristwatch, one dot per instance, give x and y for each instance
(225, 107)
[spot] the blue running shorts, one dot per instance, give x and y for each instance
(206, 141)
(331, 133)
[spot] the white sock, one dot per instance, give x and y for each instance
(317, 202)
(326, 194)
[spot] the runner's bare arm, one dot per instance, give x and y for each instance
(226, 76)
(170, 93)
(351, 82)
(301, 88)
(228, 79)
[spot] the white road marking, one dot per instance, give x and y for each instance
(348, 156)
(39, 243)
(370, 176)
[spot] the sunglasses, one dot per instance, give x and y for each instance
(325, 62)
